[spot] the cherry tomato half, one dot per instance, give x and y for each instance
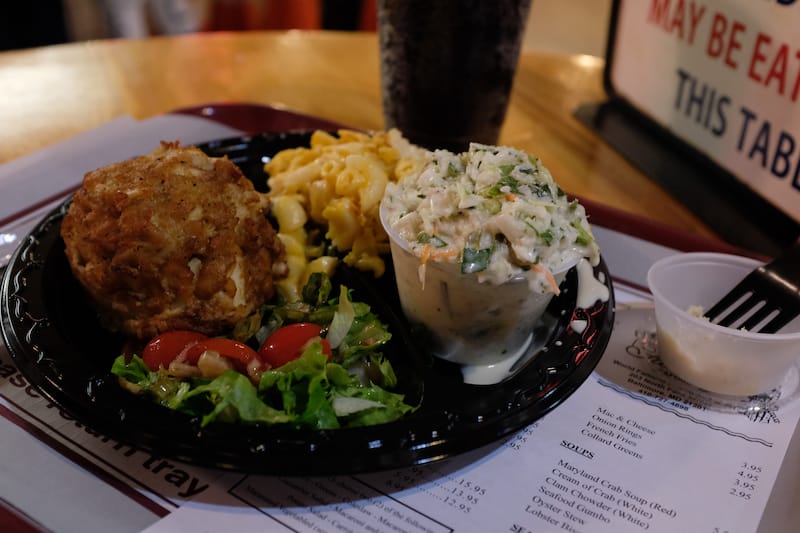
(287, 343)
(238, 351)
(164, 348)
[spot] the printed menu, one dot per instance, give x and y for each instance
(633, 449)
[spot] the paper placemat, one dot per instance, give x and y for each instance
(633, 449)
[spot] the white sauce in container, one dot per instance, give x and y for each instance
(590, 291)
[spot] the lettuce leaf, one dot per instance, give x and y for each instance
(391, 406)
(235, 398)
(308, 392)
(301, 393)
(303, 387)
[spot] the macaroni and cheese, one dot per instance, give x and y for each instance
(338, 183)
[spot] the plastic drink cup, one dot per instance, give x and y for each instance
(448, 66)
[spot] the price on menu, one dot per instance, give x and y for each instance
(518, 440)
(403, 479)
(746, 481)
(457, 493)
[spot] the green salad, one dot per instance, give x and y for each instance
(316, 363)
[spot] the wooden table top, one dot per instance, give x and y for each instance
(52, 93)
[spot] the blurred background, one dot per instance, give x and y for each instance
(572, 26)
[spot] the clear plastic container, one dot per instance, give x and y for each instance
(466, 321)
(715, 358)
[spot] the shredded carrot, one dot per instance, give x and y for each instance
(548, 276)
(428, 252)
(425, 254)
(510, 197)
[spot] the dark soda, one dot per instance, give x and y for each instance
(447, 67)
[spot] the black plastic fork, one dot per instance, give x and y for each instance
(774, 286)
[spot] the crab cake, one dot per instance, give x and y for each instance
(172, 240)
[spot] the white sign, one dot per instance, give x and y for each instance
(723, 76)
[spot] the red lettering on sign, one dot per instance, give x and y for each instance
(659, 13)
(778, 70)
(673, 18)
(715, 39)
(758, 56)
(696, 16)
(724, 41)
(677, 20)
(771, 66)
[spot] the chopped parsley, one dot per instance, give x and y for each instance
(433, 240)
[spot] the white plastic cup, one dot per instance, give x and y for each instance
(715, 358)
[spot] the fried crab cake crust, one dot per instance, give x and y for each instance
(172, 240)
